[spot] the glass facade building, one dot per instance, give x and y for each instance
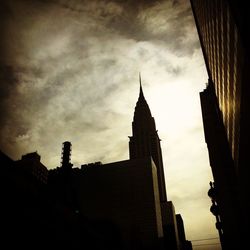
(224, 28)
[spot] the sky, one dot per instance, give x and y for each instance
(69, 71)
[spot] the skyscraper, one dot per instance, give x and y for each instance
(223, 29)
(145, 141)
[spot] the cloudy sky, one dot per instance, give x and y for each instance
(69, 71)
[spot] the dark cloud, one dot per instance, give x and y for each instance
(7, 75)
(60, 58)
(8, 82)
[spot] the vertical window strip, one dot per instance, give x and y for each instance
(219, 20)
(221, 50)
(206, 13)
(207, 47)
(204, 29)
(213, 26)
(229, 85)
(217, 56)
(211, 42)
(235, 110)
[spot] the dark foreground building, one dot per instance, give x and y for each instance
(120, 205)
(125, 196)
(223, 28)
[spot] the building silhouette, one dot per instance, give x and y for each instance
(223, 27)
(127, 196)
(120, 205)
(31, 164)
(145, 142)
(66, 155)
(185, 244)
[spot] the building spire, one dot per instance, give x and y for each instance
(142, 109)
(145, 141)
(141, 92)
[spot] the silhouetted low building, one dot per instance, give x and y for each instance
(31, 164)
(184, 244)
(171, 229)
(23, 203)
(123, 195)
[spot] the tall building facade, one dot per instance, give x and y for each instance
(223, 29)
(124, 194)
(145, 141)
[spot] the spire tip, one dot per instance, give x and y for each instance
(140, 81)
(141, 92)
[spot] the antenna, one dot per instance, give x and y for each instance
(66, 153)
